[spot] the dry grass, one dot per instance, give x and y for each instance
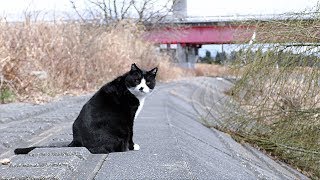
(276, 101)
(279, 105)
(282, 114)
(212, 70)
(43, 59)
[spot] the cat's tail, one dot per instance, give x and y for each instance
(23, 150)
(28, 149)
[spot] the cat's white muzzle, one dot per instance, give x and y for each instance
(141, 89)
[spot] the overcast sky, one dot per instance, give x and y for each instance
(195, 7)
(231, 7)
(13, 9)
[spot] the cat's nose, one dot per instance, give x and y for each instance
(141, 89)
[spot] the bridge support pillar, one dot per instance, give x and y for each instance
(187, 54)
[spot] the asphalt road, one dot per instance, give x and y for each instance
(174, 144)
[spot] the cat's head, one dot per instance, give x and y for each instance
(140, 82)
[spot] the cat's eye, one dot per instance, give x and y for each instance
(137, 81)
(148, 82)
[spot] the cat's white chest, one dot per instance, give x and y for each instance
(141, 101)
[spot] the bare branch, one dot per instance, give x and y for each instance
(143, 10)
(76, 10)
(124, 10)
(110, 11)
(115, 10)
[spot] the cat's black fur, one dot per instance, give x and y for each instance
(105, 123)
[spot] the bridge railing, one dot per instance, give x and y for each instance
(243, 17)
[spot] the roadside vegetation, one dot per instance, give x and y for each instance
(41, 59)
(275, 103)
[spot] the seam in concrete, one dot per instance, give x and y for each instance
(98, 167)
(176, 140)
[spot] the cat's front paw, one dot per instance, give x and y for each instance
(136, 147)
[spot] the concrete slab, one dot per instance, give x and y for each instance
(173, 140)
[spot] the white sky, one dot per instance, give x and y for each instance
(195, 7)
(244, 7)
(17, 6)
(14, 9)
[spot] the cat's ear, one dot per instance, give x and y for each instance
(154, 71)
(134, 67)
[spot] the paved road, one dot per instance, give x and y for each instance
(174, 145)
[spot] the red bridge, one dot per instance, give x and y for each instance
(201, 33)
(188, 37)
(190, 34)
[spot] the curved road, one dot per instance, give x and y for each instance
(174, 144)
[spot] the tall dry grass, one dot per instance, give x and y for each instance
(40, 59)
(277, 97)
(212, 70)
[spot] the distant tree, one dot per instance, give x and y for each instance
(217, 58)
(207, 58)
(233, 56)
(220, 57)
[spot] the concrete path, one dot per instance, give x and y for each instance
(174, 144)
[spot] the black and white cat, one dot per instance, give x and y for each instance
(105, 122)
